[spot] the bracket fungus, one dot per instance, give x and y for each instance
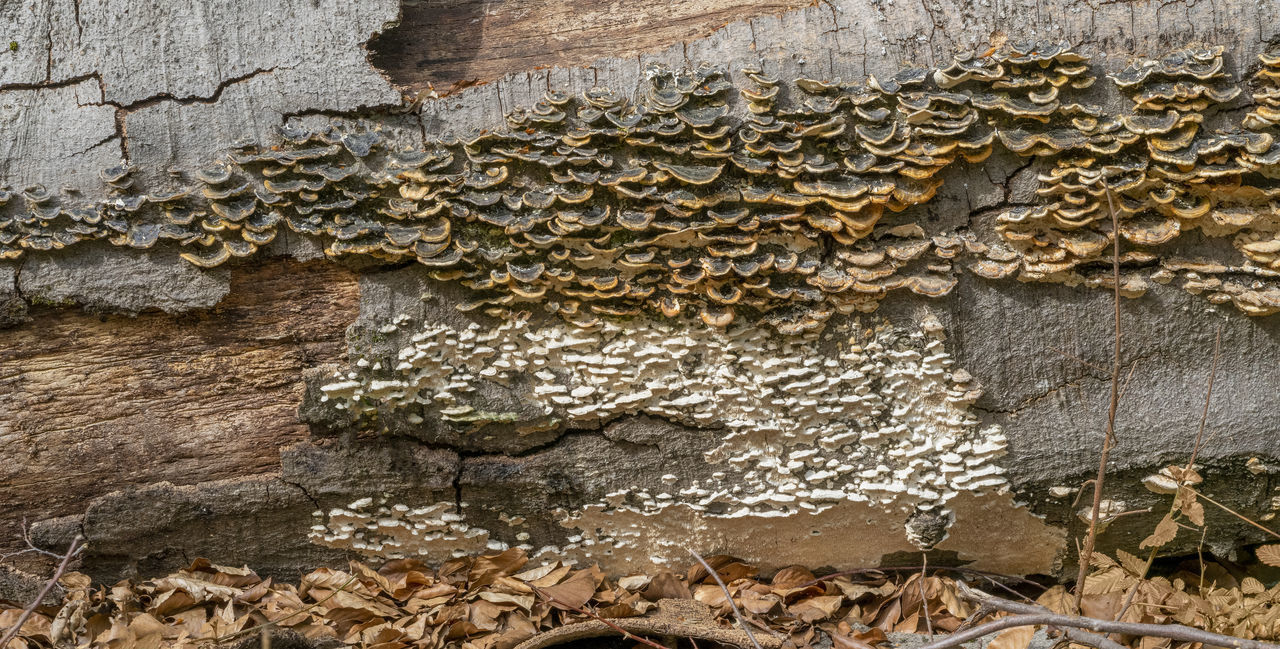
(695, 198)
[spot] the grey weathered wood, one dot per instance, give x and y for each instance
(102, 418)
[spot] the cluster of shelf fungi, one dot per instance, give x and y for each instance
(768, 201)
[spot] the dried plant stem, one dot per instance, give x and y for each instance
(742, 622)
(990, 576)
(72, 550)
(1236, 514)
(625, 633)
(1029, 619)
(1029, 615)
(1191, 462)
(924, 601)
(1108, 441)
(31, 547)
(1204, 414)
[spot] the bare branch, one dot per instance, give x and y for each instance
(1208, 394)
(72, 550)
(1029, 614)
(31, 547)
(1236, 514)
(924, 601)
(990, 576)
(742, 622)
(625, 633)
(1110, 439)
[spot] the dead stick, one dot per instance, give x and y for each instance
(1191, 463)
(72, 550)
(924, 602)
(1109, 440)
(956, 569)
(1025, 612)
(742, 622)
(1030, 619)
(1236, 514)
(625, 633)
(1204, 415)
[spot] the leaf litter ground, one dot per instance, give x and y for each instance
(499, 601)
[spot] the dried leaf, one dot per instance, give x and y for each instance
(1165, 532)
(816, 608)
(1015, 638)
(854, 592)
(1102, 607)
(523, 601)
(573, 592)
(490, 567)
(666, 585)
(554, 574)
(791, 577)
(1270, 555)
(1194, 513)
(862, 640)
(1132, 564)
(635, 582)
(1251, 586)
(1058, 600)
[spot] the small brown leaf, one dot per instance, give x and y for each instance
(1102, 606)
(573, 592)
(666, 585)
(1058, 600)
(1015, 638)
(1270, 555)
(863, 640)
(1251, 586)
(1165, 531)
(791, 577)
(1131, 563)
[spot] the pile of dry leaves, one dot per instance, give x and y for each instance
(498, 601)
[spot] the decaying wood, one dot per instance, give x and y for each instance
(98, 403)
(443, 43)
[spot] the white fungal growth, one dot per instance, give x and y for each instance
(875, 415)
(398, 532)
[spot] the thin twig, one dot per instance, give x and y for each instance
(978, 614)
(1109, 440)
(1236, 514)
(742, 622)
(1032, 619)
(924, 602)
(1204, 415)
(1191, 462)
(31, 547)
(625, 633)
(1027, 615)
(72, 550)
(1129, 377)
(957, 569)
(274, 623)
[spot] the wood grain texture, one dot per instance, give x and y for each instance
(98, 403)
(448, 44)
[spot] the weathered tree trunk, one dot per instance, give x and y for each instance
(280, 282)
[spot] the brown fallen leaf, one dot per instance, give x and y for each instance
(573, 592)
(1015, 638)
